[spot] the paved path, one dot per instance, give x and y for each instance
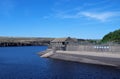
(98, 54)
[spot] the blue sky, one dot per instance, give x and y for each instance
(88, 19)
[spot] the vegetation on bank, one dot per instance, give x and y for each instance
(18, 41)
(112, 37)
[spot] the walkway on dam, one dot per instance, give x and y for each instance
(97, 54)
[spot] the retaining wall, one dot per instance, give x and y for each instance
(94, 48)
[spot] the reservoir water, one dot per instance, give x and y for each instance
(24, 63)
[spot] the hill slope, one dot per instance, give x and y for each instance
(112, 37)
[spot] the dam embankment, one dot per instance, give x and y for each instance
(103, 58)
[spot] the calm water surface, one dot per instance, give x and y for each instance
(24, 63)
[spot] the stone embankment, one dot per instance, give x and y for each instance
(46, 53)
(103, 58)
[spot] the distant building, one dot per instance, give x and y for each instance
(61, 43)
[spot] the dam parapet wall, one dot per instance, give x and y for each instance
(94, 48)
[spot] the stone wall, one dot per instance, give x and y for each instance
(94, 48)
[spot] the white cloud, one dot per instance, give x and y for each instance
(104, 16)
(101, 16)
(88, 10)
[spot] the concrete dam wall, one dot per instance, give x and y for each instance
(94, 48)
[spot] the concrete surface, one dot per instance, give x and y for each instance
(103, 58)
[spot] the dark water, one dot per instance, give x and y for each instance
(24, 63)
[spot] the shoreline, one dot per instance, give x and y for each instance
(22, 46)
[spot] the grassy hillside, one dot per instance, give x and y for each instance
(23, 41)
(112, 37)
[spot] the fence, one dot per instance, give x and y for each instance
(94, 48)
